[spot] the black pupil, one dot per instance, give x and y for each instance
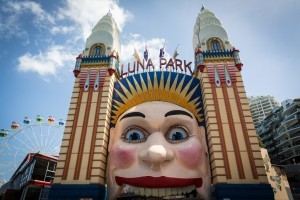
(134, 136)
(177, 136)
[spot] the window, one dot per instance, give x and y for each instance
(97, 50)
(215, 44)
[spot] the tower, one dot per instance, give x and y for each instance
(235, 159)
(260, 107)
(80, 171)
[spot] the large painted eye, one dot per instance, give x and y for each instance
(177, 134)
(134, 134)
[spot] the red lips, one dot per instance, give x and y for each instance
(159, 182)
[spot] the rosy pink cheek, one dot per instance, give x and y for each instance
(191, 154)
(123, 157)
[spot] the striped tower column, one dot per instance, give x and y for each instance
(82, 160)
(233, 145)
(237, 167)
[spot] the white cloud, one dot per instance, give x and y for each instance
(135, 35)
(10, 18)
(10, 27)
(75, 17)
(41, 15)
(88, 13)
(46, 63)
(62, 29)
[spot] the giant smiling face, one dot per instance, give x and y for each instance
(157, 149)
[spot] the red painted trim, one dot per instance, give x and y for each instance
(201, 68)
(40, 183)
(111, 71)
(159, 182)
(239, 66)
(93, 142)
(83, 134)
(72, 136)
(76, 72)
(233, 133)
(234, 50)
(245, 132)
(198, 51)
(221, 132)
(79, 56)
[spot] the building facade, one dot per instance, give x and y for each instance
(277, 178)
(260, 107)
(32, 179)
(101, 95)
(280, 132)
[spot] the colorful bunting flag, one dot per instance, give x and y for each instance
(175, 52)
(136, 55)
(146, 53)
(162, 52)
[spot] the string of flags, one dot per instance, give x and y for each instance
(146, 53)
(164, 64)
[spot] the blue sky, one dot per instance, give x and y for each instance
(40, 40)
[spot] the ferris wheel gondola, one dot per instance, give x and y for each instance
(31, 136)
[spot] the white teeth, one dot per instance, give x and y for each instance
(136, 190)
(193, 187)
(158, 192)
(184, 189)
(148, 192)
(131, 189)
(142, 191)
(126, 189)
(174, 191)
(168, 191)
(190, 188)
(162, 192)
(179, 191)
(155, 192)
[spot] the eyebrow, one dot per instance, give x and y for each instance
(178, 112)
(133, 114)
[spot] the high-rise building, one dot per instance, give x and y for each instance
(260, 107)
(280, 132)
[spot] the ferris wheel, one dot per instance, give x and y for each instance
(30, 136)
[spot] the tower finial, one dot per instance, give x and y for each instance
(202, 8)
(109, 13)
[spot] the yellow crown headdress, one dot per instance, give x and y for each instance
(176, 88)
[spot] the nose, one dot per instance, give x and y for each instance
(156, 151)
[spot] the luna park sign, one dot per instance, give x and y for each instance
(170, 64)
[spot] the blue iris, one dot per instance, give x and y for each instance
(134, 136)
(177, 136)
